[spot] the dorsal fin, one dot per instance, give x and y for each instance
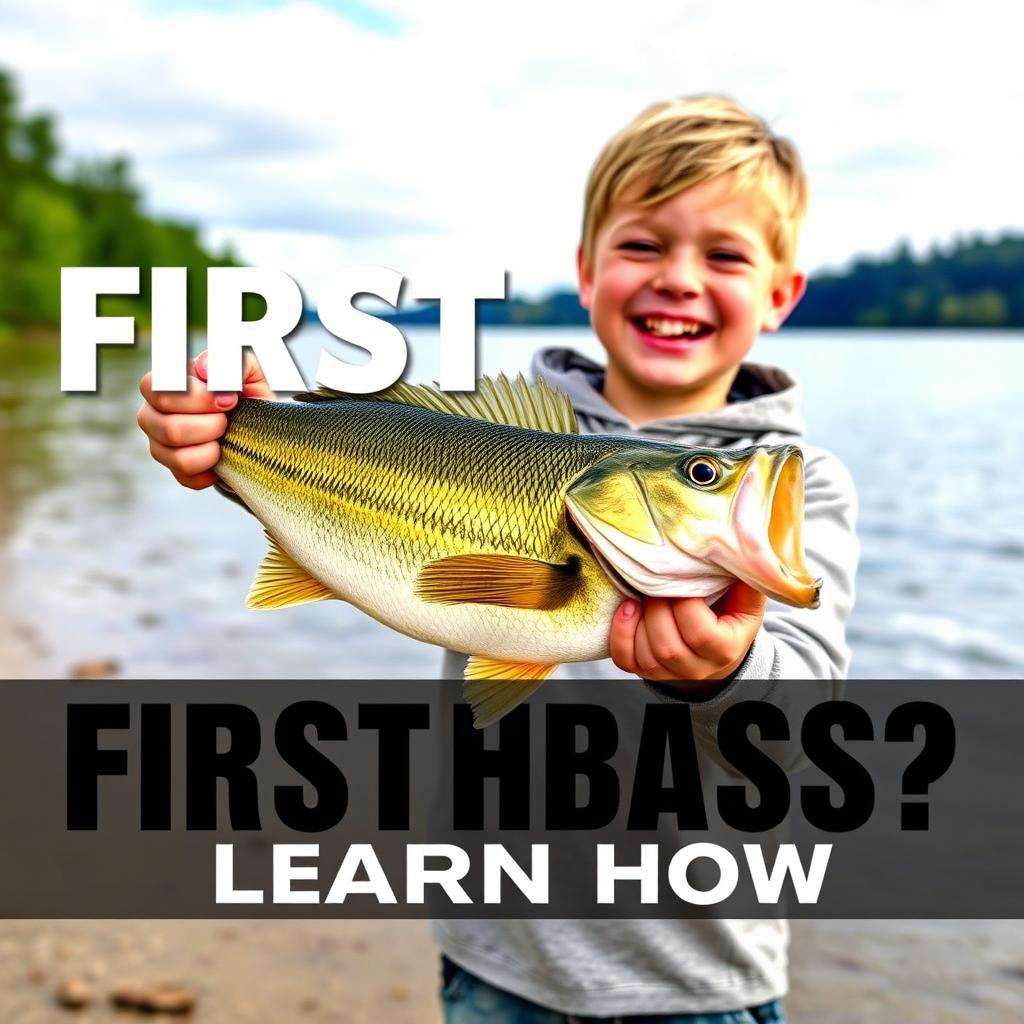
(515, 403)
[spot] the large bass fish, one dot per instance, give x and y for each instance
(485, 523)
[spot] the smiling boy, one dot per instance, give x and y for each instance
(678, 292)
(688, 252)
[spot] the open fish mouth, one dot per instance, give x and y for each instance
(767, 518)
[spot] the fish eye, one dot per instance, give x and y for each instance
(702, 471)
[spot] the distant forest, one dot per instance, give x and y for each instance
(90, 215)
(972, 283)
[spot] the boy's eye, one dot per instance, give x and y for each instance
(725, 256)
(638, 246)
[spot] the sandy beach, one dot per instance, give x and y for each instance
(355, 972)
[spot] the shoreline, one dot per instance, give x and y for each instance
(361, 972)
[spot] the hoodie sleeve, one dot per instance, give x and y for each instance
(801, 643)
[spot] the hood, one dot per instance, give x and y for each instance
(763, 400)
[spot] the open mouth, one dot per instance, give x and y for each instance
(671, 328)
(775, 557)
(786, 521)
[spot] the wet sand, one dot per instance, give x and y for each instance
(351, 972)
(244, 972)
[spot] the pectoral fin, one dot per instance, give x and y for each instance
(493, 688)
(280, 581)
(505, 580)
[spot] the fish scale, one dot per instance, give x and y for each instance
(451, 519)
(395, 487)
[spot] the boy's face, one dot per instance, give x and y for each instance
(679, 292)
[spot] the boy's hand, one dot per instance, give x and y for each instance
(184, 427)
(674, 639)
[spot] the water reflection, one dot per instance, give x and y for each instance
(105, 557)
(49, 439)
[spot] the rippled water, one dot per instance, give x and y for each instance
(104, 556)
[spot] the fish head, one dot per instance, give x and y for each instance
(674, 521)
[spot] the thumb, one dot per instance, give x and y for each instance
(741, 601)
(199, 367)
(254, 384)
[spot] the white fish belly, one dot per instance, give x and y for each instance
(385, 590)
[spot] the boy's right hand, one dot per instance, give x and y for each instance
(184, 427)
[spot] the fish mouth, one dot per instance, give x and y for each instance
(767, 519)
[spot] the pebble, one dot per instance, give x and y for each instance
(118, 584)
(96, 668)
(74, 993)
(848, 963)
(154, 997)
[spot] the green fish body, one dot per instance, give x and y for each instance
(482, 523)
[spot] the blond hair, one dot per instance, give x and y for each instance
(677, 144)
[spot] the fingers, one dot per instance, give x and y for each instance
(189, 463)
(684, 639)
(645, 641)
(669, 647)
(195, 400)
(741, 601)
(254, 384)
(184, 427)
(622, 638)
(648, 665)
(199, 481)
(705, 635)
(178, 430)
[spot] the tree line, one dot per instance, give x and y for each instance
(90, 215)
(974, 282)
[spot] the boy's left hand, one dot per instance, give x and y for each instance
(683, 638)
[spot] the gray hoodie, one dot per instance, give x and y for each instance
(608, 968)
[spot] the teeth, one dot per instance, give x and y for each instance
(670, 328)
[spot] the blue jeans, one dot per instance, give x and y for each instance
(468, 999)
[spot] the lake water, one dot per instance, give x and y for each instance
(104, 556)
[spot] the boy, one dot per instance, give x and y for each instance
(689, 236)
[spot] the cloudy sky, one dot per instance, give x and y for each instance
(316, 135)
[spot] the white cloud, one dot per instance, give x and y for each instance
(309, 139)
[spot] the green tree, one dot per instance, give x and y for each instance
(93, 217)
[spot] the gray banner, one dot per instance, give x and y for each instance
(602, 799)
